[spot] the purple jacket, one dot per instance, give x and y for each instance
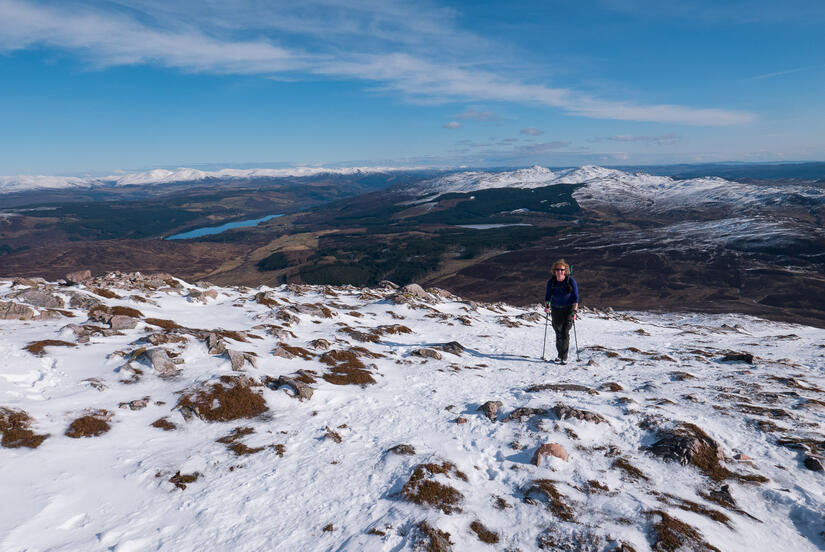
(557, 293)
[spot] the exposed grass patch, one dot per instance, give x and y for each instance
(690, 506)
(126, 311)
(236, 434)
(484, 534)
(91, 425)
(103, 292)
(347, 368)
(422, 489)
(671, 534)
(546, 491)
(160, 323)
(296, 351)
(231, 399)
(15, 425)
(164, 424)
(182, 480)
(435, 540)
(37, 347)
(632, 471)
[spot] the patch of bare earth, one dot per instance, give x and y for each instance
(423, 489)
(232, 398)
(432, 539)
(484, 534)
(15, 425)
(182, 480)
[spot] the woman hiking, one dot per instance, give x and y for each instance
(562, 302)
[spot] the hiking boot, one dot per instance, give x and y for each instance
(557, 360)
(563, 361)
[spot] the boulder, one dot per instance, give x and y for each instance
(490, 409)
(39, 299)
(738, 357)
(216, 345)
(523, 412)
(121, 322)
(547, 450)
(815, 462)
(563, 412)
(15, 311)
(237, 359)
(404, 450)
(453, 347)
(78, 277)
(300, 389)
(426, 353)
(161, 362)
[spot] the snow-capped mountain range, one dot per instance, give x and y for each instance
(628, 191)
(142, 412)
(22, 183)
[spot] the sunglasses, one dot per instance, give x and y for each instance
(558, 270)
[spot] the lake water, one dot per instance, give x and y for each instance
(489, 226)
(210, 230)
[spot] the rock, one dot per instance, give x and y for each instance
(687, 444)
(15, 311)
(120, 322)
(453, 347)
(548, 449)
(216, 345)
(39, 299)
(211, 293)
(236, 358)
(78, 276)
(386, 284)
(742, 458)
(83, 301)
(524, 412)
(407, 450)
(426, 353)
(563, 412)
(738, 357)
(161, 362)
(490, 409)
(320, 344)
(137, 404)
(416, 291)
(461, 420)
(301, 390)
(815, 462)
(283, 353)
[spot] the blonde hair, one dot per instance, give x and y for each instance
(561, 263)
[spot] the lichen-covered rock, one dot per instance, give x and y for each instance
(78, 276)
(426, 353)
(40, 299)
(523, 412)
(161, 362)
(301, 390)
(15, 311)
(121, 322)
(563, 412)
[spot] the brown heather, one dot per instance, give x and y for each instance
(37, 348)
(165, 324)
(15, 427)
(89, 426)
(126, 311)
(234, 396)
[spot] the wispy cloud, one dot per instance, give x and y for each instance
(479, 115)
(786, 72)
(531, 131)
(412, 49)
(665, 140)
(451, 124)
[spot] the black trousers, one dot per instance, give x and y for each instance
(562, 319)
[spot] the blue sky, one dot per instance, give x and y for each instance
(91, 87)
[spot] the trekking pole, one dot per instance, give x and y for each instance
(544, 342)
(576, 338)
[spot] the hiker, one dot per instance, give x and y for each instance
(562, 302)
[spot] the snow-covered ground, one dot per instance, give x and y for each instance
(324, 478)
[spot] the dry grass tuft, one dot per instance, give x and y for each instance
(546, 489)
(632, 471)
(164, 424)
(37, 347)
(484, 534)
(422, 489)
(434, 539)
(15, 426)
(93, 424)
(165, 324)
(296, 351)
(231, 334)
(182, 480)
(126, 311)
(671, 534)
(103, 292)
(231, 399)
(346, 369)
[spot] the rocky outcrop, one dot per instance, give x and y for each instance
(563, 412)
(490, 409)
(78, 277)
(40, 299)
(300, 389)
(547, 450)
